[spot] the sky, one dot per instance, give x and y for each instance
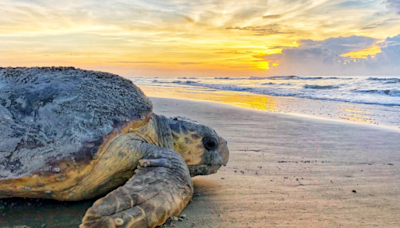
(160, 38)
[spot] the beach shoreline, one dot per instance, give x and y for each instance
(283, 170)
(259, 103)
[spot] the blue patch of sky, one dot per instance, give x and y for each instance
(359, 4)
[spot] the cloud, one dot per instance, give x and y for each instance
(189, 63)
(381, 23)
(271, 16)
(279, 47)
(139, 62)
(390, 55)
(270, 29)
(394, 5)
(324, 57)
(159, 34)
(234, 52)
(340, 45)
(189, 19)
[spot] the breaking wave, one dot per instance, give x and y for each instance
(321, 87)
(318, 92)
(372, 90)
(389, 92)
(385, 80)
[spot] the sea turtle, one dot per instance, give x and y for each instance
(70, 134)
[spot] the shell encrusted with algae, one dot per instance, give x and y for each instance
(60, 112)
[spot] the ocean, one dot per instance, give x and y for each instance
(369, 100)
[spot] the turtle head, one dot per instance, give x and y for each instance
(203, 150)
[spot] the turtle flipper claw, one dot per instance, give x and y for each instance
(159, 189)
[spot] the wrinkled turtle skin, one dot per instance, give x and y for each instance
(71, 134)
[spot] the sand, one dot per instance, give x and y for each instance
(284, 171)
(289, 171)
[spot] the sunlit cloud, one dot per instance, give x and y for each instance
(178, 37)
(271, 16)
(329, 57)
(364, 53)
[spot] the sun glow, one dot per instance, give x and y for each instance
(173, 38)
(262, 65)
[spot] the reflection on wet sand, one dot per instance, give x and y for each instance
(357, 113)
(242, 99)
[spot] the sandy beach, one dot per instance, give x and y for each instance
(288, 171)
(284, 171)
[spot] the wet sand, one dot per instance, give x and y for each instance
(284, 171)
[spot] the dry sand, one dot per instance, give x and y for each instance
(284, 171)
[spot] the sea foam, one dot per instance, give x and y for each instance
(366, 90)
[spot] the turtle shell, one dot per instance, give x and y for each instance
(49, 114)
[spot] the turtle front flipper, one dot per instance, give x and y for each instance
(160, 188)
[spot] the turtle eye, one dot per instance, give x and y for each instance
(210, 143)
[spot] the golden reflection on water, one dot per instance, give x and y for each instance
(242, 99)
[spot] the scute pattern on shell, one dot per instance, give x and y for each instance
(56, 112)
